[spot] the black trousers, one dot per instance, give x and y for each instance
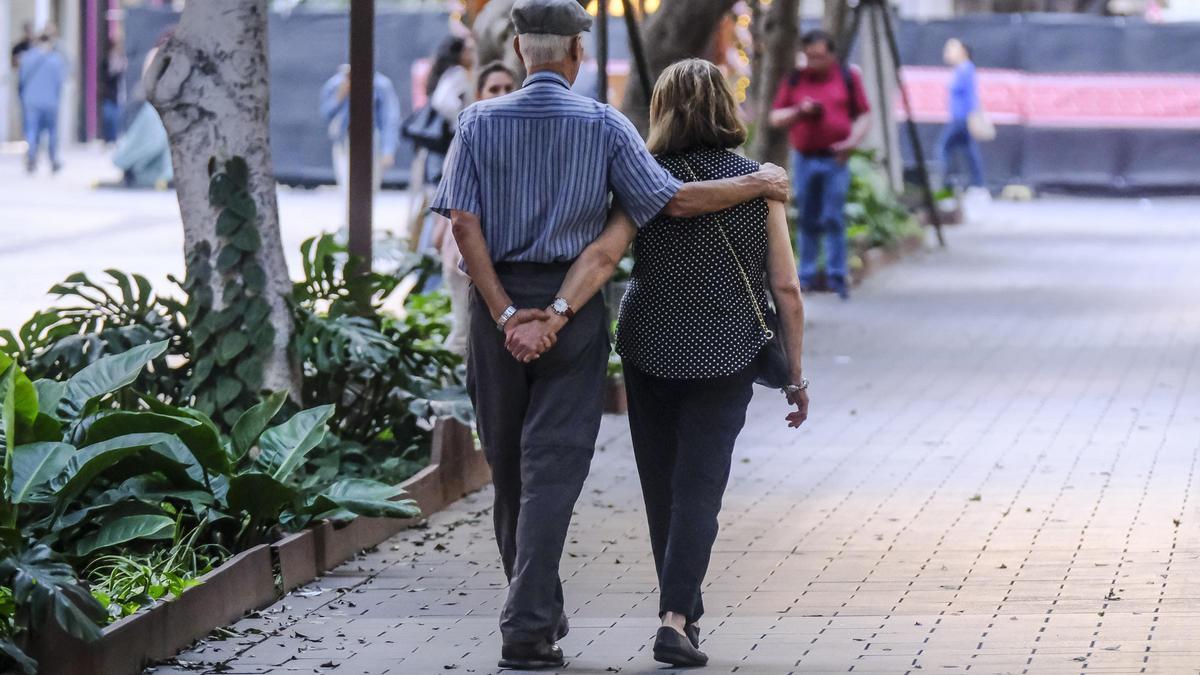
(538, 424)
(683, 437)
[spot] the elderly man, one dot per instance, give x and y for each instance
(527, 187)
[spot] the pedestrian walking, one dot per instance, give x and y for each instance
(112, 89)
(958, 139)
(494, 80)
(527, 187)
(335, 110)
(40, 79)
(825, 110)
(693, 335)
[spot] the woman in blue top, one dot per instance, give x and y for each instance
(964, 100)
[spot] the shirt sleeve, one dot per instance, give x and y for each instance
(860, 93)
(641, 185)
(460, 188)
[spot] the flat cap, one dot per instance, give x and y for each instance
(550, 17)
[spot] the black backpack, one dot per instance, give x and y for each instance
(847, 79)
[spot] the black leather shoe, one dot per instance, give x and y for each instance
(674, 649)
(531, 656)
(693, 634)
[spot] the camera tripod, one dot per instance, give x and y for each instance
(879, 16)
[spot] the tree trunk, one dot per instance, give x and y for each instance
(777, 33)
(836, 16)
(209, 83)
(680, 29)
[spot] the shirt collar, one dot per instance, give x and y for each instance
(547, 76)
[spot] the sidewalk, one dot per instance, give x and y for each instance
(53, 226)
(997, 476)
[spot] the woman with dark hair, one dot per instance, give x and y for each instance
(692, 334)
(957, 137)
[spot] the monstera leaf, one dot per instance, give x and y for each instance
(48, 588)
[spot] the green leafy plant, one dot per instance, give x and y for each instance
(230, 339)
(87, 473)
(98, 319)
(388, 377)
(127, 583)
(874, 216)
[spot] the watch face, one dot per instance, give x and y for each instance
(560, 306)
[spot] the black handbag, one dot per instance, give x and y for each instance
(771, 365)
(427, 129)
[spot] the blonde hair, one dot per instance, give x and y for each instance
(692, 107)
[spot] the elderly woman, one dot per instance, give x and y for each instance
(692, 330)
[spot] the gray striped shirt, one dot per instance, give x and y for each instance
(537, 167)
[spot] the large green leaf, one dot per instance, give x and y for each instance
(126, 529)
(34, 464)
(91, 460)
(25, 398)
(107, 375)
(283, 448)
(203, 440)
(150, 490)
(364, 497)
(48, 587)
(50, 394)
(27, 665)
(258, 495)
(253, 422)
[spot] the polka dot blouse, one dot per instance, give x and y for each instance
(686, 313)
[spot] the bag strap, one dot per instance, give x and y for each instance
(770, 334)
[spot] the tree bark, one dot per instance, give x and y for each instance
(777, 32)
(209, 83)
(680, 29)
(836, 16)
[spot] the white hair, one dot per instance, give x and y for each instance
(540, 49)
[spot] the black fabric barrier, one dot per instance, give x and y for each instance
(1146, 155)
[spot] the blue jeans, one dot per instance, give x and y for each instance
(821, 185)
(957, 139)
(37, 120)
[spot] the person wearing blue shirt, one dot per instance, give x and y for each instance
(964, 100)
(528, 185)
(335, 111)
(42, 72)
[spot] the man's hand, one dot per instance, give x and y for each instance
(530, 333)
(842, 150)
(776, 183)
(797, 417)
(386, 162)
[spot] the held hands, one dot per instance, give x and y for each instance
(797, 417)
(776, 184)
(531, 333)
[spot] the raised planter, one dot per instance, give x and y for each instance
(615, 401)
(244, 583)
(247, 581)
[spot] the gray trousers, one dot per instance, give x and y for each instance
(538, 424)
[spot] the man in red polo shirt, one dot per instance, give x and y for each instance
(825, 110)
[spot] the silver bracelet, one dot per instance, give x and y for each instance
(507, 314)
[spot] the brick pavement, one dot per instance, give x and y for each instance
(997, 477)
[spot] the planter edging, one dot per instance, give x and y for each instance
(246, 582)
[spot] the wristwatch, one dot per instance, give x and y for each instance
(790, 389)
(504, 317)
(561, 308)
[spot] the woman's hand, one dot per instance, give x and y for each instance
(800, 400)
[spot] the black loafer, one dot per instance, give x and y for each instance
(693, 634)
(674, 649)
(531, 656)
